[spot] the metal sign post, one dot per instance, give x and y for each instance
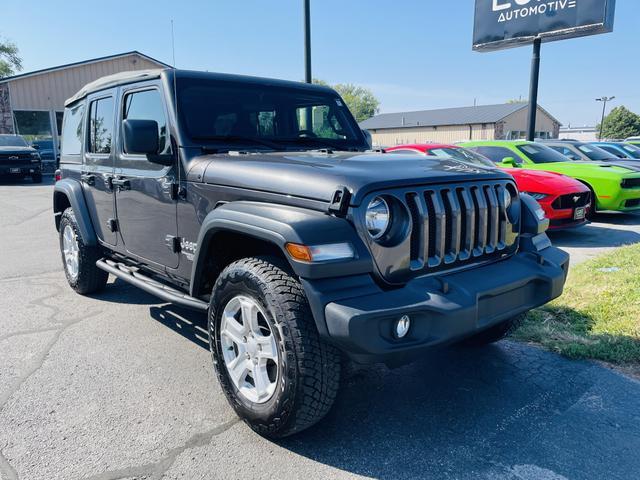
(533, 90)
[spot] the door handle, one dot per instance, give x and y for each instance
(88, 178)
(121, 183)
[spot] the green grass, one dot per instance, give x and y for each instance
(598, 316)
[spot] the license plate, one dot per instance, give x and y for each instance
(580, 213)
(14, 170)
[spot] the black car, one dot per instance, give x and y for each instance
(47, 154)
(257, 201)
(18, 159)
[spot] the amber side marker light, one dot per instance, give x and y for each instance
(320, 253)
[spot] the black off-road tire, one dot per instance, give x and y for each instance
(36, 177)
(90, 279)
(495, 333)
(309, 369)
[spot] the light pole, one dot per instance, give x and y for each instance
(604, 100)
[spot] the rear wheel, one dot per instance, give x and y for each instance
(276, 372)
(79, 260)
(495, 333)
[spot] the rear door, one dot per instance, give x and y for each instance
(146, 192)
(98, 165)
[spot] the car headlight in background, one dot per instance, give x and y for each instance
(537, 196)
(378, 218)
(35, 157)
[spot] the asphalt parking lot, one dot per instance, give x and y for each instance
(120, 386)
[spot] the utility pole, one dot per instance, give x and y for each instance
(604, 100)
(307, 42)
(533, 90)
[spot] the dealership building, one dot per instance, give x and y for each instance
(32, 104)
(486, 122)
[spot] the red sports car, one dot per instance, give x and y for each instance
(565, 201)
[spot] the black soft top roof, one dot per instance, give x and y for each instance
(124, 78)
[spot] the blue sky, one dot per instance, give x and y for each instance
(413, 54)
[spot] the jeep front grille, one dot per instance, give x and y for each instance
(449, 227)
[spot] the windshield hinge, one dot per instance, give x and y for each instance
(340, 201)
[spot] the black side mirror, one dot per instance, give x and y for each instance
(141, 137)
(36, 146)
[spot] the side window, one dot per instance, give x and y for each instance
(612, 150)
(101, 125)
(147, 105)
(497, 154)
(72, 133)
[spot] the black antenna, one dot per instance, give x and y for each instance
(175, 99)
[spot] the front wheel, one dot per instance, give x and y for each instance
(36, 177)
(275, 370)
(495, 333)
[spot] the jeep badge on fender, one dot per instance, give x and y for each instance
(303, 247)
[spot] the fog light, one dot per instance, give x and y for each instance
(402, 326)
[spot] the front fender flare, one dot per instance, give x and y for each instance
(278, 225)
(73, 191)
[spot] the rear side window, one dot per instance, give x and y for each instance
(147, 105)
(72, 132)
(101, 125)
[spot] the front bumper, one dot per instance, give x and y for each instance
(22, 169)
(475, 299)
(624, 200)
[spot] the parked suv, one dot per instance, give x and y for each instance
(256, 201)
(18, 159)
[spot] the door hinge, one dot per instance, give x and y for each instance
(112, 225)
(173, 243)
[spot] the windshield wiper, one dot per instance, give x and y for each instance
(240, 139)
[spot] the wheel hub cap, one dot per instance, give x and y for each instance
(71, 251)
(249, 349)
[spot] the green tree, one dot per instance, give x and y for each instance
(360, 100)
(621, 123)
(10, 61)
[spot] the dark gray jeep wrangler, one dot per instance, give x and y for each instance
(258, 202)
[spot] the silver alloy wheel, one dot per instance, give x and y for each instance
(249, 349)
(71, 251)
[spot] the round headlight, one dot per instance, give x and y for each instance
(506, 195)
(378, 217)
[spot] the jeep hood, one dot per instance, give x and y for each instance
(317, 175)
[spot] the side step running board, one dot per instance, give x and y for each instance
(151, 286)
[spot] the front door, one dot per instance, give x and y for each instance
(98, 165)
(146, 203)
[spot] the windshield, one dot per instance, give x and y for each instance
(632, 151)
(595, 153)
(542, 154)
(44, 144)
(12, 141)
(225, 115)
(463, 155)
